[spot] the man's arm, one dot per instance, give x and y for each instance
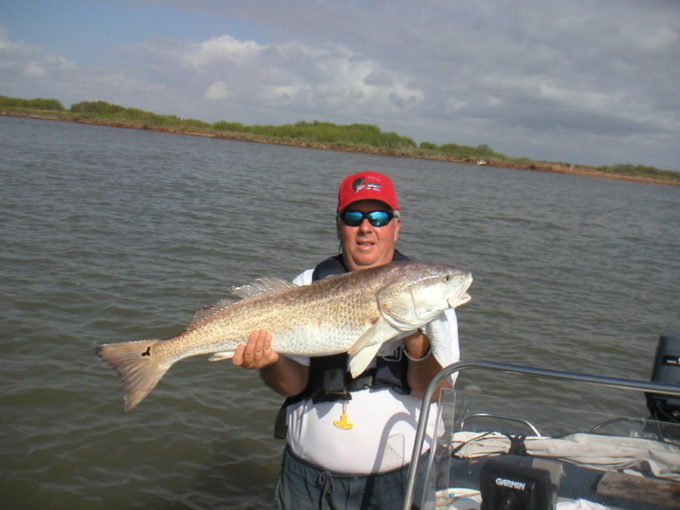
(420, 373)
(283, 375)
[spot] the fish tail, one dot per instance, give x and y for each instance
(138, 365)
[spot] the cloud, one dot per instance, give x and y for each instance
(217, 91)
(223, 49)
(319, 80)
(34, 71)
(18, 58)
(379, 78)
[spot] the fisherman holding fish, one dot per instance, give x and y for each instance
(350, 436)
(352, 343)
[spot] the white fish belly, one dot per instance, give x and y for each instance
(310, 340)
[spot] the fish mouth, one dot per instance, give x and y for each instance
(459, 300)
(461, 297)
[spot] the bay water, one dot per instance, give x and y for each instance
(110, 235)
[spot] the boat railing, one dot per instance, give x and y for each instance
(526, 423)
(624, 384)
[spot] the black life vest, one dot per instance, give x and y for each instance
(329, 379)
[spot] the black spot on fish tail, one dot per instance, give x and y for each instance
(138, 368)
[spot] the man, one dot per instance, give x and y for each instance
(349, 441)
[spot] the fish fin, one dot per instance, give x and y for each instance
(398, 308)
(208, 310)
(262, 286)
(220, 356)
(138, 366)
(359, 362)
(378, 333)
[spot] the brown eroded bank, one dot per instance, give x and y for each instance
(537, 166)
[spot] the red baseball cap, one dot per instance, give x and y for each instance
(367, 185)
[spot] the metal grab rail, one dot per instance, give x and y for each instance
(624, 384)
(528, 425)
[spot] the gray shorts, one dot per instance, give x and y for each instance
(303, 486)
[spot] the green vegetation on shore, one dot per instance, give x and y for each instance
(321, 135)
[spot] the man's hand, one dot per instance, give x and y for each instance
(257, 352)
(280, 373)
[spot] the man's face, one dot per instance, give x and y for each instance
(367, 246)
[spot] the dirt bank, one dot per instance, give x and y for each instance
(535, 166)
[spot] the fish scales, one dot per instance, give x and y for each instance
(332, 311)
(328, 317)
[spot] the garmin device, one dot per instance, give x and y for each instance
(511, 486)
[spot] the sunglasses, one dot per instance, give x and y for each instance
(375, 218)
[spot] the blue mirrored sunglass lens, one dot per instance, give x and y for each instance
(376, 218)
(379, 218)
(352, 218)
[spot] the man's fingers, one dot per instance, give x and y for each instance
(256, 352)
(237, 358)
(258, 344)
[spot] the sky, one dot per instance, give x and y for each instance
(578, 81)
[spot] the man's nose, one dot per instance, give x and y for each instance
(365, 225)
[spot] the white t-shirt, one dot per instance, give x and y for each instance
(378, 430)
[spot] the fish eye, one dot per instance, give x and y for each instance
(447, 277)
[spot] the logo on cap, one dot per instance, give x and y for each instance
(361, 184)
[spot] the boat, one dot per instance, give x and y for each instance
(494, 454)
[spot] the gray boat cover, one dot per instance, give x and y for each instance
(596, 451)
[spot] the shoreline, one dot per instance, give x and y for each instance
(535, 166)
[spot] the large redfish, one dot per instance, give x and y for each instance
(355, 312)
